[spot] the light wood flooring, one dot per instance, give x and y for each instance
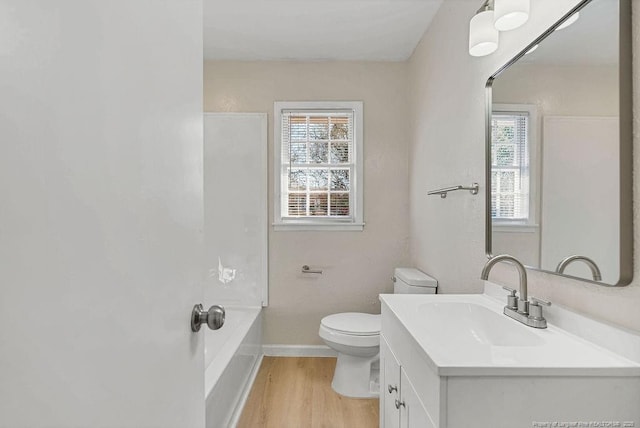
(292, 392)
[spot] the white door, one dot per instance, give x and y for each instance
(412, 412)
(100, 213)
(389, 387)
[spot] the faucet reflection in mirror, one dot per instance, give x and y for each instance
(519, 308)
(595, 271)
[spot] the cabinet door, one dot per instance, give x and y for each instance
(389, 387)
(412, 412)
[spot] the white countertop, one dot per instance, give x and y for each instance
(468, 335)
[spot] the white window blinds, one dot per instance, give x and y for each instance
(510, 171)
(317, 165)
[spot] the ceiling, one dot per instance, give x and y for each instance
(315, 30)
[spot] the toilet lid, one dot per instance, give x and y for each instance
(355, 323)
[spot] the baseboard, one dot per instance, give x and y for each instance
(245, 392)
(298, 351)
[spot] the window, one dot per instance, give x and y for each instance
(512, 142)
(318, 166)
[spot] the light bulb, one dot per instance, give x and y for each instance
(483, 37)
(573, 18)
(510, 14)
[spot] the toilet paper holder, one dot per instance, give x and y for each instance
(307, 269)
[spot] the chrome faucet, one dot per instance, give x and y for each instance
(518, 308)
(523, 302)
(595, 271)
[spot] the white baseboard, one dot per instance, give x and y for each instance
(298, 351)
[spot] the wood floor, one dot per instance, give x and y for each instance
(292, 392)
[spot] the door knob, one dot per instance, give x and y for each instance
(214, 317)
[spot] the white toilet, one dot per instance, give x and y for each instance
(356, 338)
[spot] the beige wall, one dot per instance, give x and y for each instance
(555, 91)
(561, 90)
(446, 148)
(357, 265)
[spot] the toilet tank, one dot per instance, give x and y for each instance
(413, 281)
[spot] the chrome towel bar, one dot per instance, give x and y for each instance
(473, 189)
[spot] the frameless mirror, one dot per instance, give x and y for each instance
(559, 148)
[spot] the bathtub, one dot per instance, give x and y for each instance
(232, 358)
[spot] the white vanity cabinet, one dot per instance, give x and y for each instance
(399, 402)
(449, 375)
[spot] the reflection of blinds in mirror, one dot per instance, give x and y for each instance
(317, 163)
(510, 166)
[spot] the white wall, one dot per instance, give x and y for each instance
(560, 90)
(357, 265)
(523, 244)
(235, 209)
(571, 224)
(447, 235)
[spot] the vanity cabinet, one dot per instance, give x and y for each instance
(444, 377)
(403, 366)
(400, 406)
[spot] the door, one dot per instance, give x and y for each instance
(412, 412)
(100, 213)
(389, 387)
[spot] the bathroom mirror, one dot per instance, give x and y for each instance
(559, 148)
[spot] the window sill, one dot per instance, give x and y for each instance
(514, 228)
(323, 227)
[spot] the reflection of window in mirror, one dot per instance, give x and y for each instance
(513, 149)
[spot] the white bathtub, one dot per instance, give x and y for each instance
(232, 357)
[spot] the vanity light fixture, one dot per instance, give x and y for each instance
(483, 37)
(495, 16)
(573, 18)
(510, 14)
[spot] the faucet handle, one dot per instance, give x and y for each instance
(512, 300)
(535, 310)
(512, 292)
(536, 301)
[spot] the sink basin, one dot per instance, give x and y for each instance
(475, 323)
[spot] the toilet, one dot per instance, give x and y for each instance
(356, 338)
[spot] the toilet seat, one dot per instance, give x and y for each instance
(351, 329)
(353, 323)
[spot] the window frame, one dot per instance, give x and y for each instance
(531, 223)
(356, 221)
